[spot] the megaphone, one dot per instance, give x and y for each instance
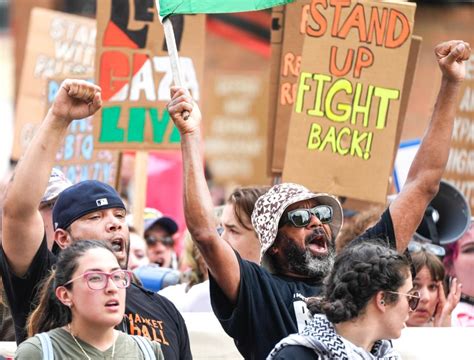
(154, 278)
(446, 218)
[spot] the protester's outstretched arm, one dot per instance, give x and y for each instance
(23, 228)
(425, 173)
(198, 207)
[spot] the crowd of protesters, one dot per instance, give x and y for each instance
(274, 264)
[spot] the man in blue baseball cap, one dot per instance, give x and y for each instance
(87, 210)
(94, 210)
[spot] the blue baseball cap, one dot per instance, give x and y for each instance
(83, 198)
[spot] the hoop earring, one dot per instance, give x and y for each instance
(382, 302)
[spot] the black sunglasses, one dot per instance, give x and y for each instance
(165, 240)
(302, 217)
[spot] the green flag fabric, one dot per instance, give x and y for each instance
(170, 7)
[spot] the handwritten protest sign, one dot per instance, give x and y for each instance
(294, 29)
(77, 158)
(344, 123)
(460, 168)
(235, 140)
(58, 44)
(134, 72)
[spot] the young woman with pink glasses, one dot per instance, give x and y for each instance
(80, 304)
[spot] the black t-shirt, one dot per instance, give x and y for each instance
(270, 307)
(293, 352)
(155, 317)
(381, 233)
(147, 313)
(21, 291)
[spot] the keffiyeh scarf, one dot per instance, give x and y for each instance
(321, 336)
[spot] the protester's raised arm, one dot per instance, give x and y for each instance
(198, 207)
(429, 164)
(23, 227)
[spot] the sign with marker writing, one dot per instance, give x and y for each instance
(294, 30)
(460, 167)
(235, 128)
(134, 72)
(58, 44)
(77, 158)
(343, 126)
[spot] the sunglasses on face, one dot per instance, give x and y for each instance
(302, 217)
(413, 298)
(98, 280)
(165, 240)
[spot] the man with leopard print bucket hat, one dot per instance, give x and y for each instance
(259, 306)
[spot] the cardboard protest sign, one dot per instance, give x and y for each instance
(77, 158)
(134, 72)
(347, 105)
(294, 28)
(236, 115)
(20, 14)
(460, 167)
(58, 44)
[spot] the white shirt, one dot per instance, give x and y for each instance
(197, 299)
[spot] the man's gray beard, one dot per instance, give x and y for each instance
(303, 262)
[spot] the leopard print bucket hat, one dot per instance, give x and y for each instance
(270, 207)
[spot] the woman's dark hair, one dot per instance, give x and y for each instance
(434, 265)
(244, 199)
(359, 272)
(50, 312)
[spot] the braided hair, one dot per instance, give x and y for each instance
(359, 272)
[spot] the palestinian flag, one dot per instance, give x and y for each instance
(171, 7)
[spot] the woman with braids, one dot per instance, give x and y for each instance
(80, 304)
(367, 298)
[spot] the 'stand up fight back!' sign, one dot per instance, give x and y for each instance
(134, 72)
(344, 122)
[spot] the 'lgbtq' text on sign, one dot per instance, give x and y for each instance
(347, 98)
(77, 158)
(134, 72)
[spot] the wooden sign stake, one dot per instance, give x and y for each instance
(140, 178)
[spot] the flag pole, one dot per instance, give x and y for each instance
(173, 55)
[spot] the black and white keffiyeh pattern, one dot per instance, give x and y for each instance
(321, 336)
